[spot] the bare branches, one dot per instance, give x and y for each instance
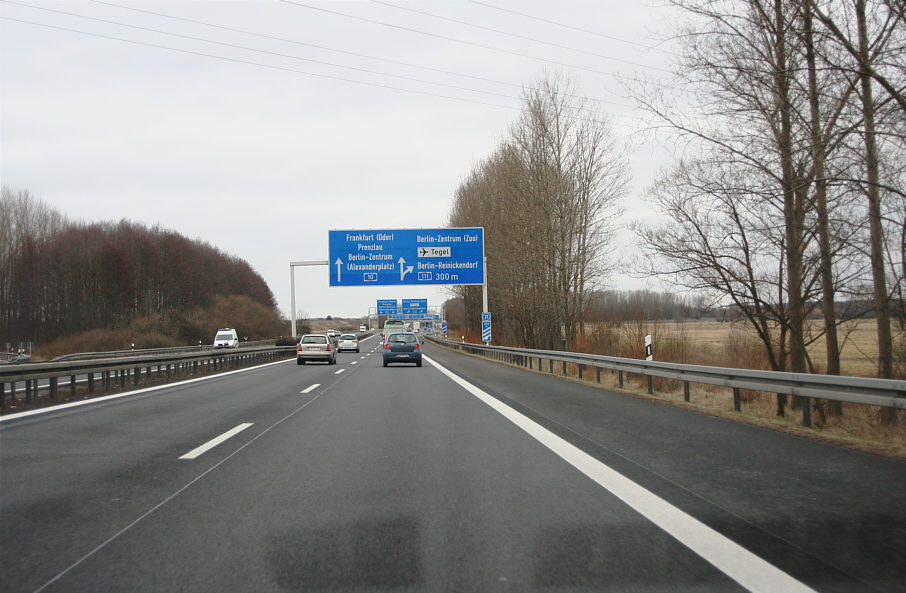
(548, 199)
(793, 163)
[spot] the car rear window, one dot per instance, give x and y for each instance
(402, 338)
(314, 340)
(347, 337)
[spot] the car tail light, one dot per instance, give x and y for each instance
(299, 349)
(416, 345)
(328, 347)
(387, 346)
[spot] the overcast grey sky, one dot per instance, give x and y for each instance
(259, 126)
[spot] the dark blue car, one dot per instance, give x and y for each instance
(402, 347)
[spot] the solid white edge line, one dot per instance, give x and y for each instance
(215, 441)
(310, 388)
(103, 398)
(744, 567)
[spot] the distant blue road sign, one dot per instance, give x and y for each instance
(406, 257)
(415, 306)
(387, 307)
(485, 327)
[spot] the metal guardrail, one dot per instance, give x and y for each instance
(13, 357)
(121, 368)
(888, 393)
(107, 354)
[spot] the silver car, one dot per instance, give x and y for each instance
(348, 342)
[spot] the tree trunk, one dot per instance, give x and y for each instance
(792, 200)
(876, 230)
(828, 304)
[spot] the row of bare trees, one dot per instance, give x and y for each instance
(58, 277)
(548, 198)
(792, 195)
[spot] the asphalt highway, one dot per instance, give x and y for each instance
(461, 475)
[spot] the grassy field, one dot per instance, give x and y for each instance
(721, 344)
(737, 345)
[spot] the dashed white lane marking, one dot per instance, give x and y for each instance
(214, 442)
(339, 371)
(310, 388)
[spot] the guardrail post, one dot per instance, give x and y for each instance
(580, 370)
(123, 378)
(598, 374)
(91, 382)
(686, 390)
(737, 405)
(620, 373)
(53, 389)
(650, 385)
(136, 375)
(2, 395)
(53, 385)
(564, 367)
(72, 386)
(806, 411)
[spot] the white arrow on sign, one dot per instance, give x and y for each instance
(404, 269)
(339, 264)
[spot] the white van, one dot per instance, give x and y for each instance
(362, 329)
(226, 338)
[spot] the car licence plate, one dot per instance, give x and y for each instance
(403, 355)
(313, 348)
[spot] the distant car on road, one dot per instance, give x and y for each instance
(402, 347)
(316, 347)
(226, 338)
(348, 342)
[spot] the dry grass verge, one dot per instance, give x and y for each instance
(859, 427)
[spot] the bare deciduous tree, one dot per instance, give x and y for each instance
(548, 199)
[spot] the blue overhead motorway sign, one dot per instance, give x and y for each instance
(406, 257)
(387, 307)
(415, 306)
